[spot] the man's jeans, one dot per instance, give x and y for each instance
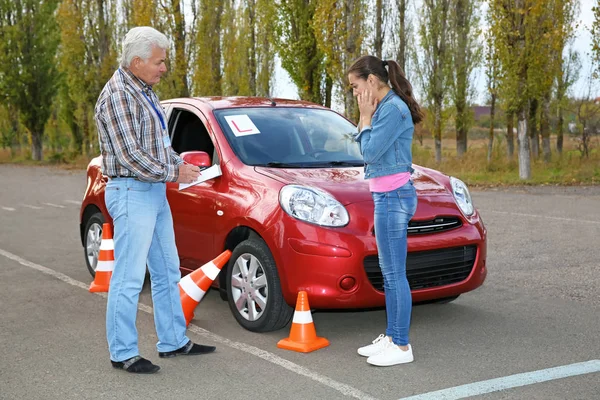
(393, 210)
(143, 234)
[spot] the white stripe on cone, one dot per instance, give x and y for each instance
(210, 270)
(191, 289)
(107, 244)
(302, 317)
(105, 266)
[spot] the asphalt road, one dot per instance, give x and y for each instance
(538, 309)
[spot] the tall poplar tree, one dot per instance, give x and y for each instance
(433, 66)
(297, 47)
(520, 30)
(169, 18)
(465, 53)
(403, 29)
(208, 74)
(248, 42)
(29, 39)
(340, 34)
(492, 72)
(567, 76)
(86, 64)
(595, 32)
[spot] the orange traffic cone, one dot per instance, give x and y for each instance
(303, 336)
(194, 286)
(106, 261)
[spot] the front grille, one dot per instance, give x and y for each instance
(426, 269)
(439, 224)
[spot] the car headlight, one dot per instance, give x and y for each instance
(313, 205)
(462, 196)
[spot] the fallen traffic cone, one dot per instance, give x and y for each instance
(194, 286)
(106, 261)
(303, 336)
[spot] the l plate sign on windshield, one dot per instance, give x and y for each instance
(241, 125)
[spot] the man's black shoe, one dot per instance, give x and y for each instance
(136, 365)
(190, 349)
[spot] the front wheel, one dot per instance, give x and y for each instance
(254, 290)
(92, 238)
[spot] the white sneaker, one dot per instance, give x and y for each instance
(391, 355)
(374, 348)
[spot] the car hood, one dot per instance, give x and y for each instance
(348, 185)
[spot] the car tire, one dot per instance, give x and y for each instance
(256, 300)
(92, 238)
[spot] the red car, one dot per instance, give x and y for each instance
(292, 205)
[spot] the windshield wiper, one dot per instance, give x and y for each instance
(277, 164)
(341, 164)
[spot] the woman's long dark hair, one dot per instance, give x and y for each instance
(367, 65)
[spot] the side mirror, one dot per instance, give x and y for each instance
(198, 158)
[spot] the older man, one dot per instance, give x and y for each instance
(138, 159)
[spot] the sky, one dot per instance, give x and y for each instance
(283, 86)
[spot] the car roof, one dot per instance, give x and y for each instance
(216, 103)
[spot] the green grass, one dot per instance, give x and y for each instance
(473, 168)
(60, 160)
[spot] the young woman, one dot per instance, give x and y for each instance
(388, 114)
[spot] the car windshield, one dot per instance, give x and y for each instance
(284, 137)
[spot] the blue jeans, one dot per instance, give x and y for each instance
(143, 234)
(393, 210)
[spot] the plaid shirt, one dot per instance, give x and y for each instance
(133, 142)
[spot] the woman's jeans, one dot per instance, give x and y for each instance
(143, 234)
(393, 210)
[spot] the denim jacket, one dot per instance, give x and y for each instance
(386, 144)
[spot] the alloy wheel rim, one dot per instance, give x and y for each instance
(249, 287)
(94, 239)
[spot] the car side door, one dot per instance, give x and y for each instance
(193, 209)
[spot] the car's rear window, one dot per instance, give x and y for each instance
(290, 137)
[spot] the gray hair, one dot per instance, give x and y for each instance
(139, 42)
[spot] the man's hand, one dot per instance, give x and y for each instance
(188, 173)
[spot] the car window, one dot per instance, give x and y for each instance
(188, 133)
(291, 137)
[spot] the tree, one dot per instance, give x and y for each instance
(208, 73)
(465, 53)
(434, 63)
(236, 80)
(546, 35)
(586, 110)
(595, 32)
(297, 47)
(567, 76)
(492, 71)
(340, 37)
(248, 43)
(264, 48)
(567, 70)
(143, 13)
(511, 26)
(87, 59)
(29, 43)
(169, 19)
(403, 33)
(379, 31)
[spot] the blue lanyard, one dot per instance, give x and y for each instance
(162, 122)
